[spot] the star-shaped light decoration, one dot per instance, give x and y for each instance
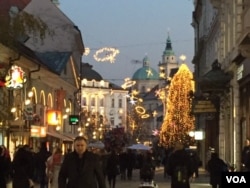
(154, 113)
(155, 132)
(132, 101)
(149, 72)
(183, 57)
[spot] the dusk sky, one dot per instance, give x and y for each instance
(135, 27)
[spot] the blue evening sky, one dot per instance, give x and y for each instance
(136, 27)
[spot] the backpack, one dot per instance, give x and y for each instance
(180, 174)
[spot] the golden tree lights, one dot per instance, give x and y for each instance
(178, 121)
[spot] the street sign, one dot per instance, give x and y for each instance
(74, 119)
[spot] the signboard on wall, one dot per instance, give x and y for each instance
(204, 106)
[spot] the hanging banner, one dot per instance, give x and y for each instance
(60, 95)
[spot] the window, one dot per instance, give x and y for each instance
(112, 103)
(120, 103)
(84, 101)
(143, 89)
(112, 121)
(102, 102)
(92, 101)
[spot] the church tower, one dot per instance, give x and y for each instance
(168, 60)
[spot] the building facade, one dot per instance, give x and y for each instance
(221, 35)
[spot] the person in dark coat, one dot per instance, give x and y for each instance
(245, 156)
(81, 168)
(148, 168)
(4, 168)
(123, 164)
(131, 159)
(40, 165)
(215, 168)
(179, 167)
(112, 168)
(22, 166)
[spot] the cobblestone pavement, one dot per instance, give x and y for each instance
(201, 182)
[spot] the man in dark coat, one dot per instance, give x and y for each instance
(81, 168)
(179, 167)
(215, 168)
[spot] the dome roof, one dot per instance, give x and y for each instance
(146, 72)
(90, 74)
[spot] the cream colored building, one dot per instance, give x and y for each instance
(222, 39)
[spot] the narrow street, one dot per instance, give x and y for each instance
(162, 182)
(201, 182)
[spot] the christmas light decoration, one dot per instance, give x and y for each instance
(128, 83)
(87, 51)
(178, 121)
(144, 116)
(109, 54)
(140, 109)
(149, 73)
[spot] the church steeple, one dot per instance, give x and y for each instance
(168, 59)
(168, 54)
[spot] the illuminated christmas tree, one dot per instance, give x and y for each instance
(178, 120)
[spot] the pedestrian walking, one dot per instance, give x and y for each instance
(179, 167)
(22, 166)
(245, 156)
(113, 168)
(148, 168)
(40, 165)
(215, 168)
(4, 167)
(131, 161)
(123, 164)
(81, 168)
(53, 165)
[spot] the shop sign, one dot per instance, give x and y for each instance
(54, 117)
(15, 78)
(204, 106)
(37, 131)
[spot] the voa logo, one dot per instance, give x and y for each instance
(236, 179)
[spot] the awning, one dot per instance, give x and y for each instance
(215, 80)
(59, 136)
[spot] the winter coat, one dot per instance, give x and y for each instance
(215, 168)
(179, 158)
(22, 168)
(112, 168)
(82, 172)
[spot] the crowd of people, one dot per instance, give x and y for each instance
(90, 166)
